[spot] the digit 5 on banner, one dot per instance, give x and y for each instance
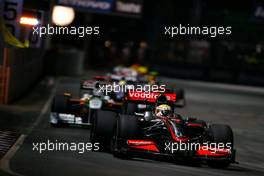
(10, 13)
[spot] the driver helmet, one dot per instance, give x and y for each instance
(122, 82)
(163, 110)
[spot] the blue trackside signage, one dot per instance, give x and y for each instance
(131, 8)
(99, 6)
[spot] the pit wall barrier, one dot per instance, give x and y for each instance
(20, 70)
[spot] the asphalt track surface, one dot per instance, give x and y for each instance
(243, 110)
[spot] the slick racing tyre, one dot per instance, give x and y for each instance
(59, 105)
(102, 128)
(180, 95)
(129, 108)
(220, 134)
(127, 127)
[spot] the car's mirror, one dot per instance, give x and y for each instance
(148, 115)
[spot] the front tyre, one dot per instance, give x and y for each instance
(127, 127)
(102, 128)
(59, 105)
(54, 121)
(220, 133)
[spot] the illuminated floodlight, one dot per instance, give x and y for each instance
(30, 21)
(62, 16)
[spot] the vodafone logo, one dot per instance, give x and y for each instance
(143, 95)
(149, 96)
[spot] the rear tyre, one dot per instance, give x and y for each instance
(127, 127)
(129, 108)
(221, 134)
(180, 95)
(102, 128)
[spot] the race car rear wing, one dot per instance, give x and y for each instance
(149, 97)
(87, 84)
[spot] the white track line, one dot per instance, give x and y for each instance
(5, 161)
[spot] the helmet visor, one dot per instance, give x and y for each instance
(165, 112)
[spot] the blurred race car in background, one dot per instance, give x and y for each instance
(138, 74)
(98, 93)
(66, 109)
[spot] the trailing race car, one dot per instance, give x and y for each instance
(66, 109)
(160, 132)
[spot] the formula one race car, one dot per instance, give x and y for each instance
(66, 109)
(160, 132)
(138, 74)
